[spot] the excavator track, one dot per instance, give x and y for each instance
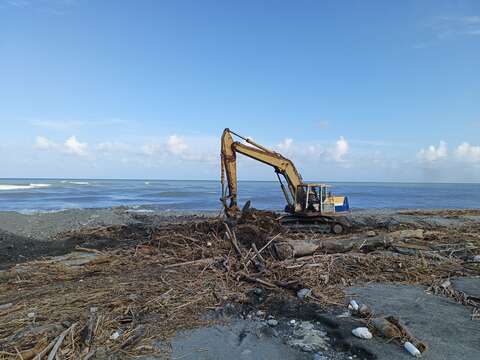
(319, 224)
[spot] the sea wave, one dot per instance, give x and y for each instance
(179, 194)
(22, 187)
(79, 182)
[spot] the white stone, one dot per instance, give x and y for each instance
(303, 293)
(362, 333)
(446, 284)
(115, 335)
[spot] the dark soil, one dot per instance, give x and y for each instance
(34, 236)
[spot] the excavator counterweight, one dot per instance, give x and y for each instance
(307, 203)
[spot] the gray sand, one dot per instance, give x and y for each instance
(239, 340)
(46, 225)
(444, 325)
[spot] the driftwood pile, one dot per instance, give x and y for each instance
(125, 301)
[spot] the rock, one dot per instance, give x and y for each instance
(371, 233)
(412, 349)
(258, 291)
(260, 313)
(446, 284)
(353, 305)
(303, 293)
(31, 315)
(476, 258)
(293, 322)
(272, 322)
(362, 333)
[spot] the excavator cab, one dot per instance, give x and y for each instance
(313, 199)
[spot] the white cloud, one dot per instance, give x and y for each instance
(468, 152)
(340, 150)
(285, 145)
(313, 150)
(113, 147)
(176, 145)
(447, 27)
(43, 143)
(70, 146)
(73, 146)
(433, 153)
(18, 3)
(151, 148)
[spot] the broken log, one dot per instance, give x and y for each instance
(297, 248)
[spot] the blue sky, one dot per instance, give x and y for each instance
(350, 90)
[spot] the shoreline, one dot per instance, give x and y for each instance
(25, 237)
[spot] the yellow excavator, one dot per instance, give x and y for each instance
(307, 203)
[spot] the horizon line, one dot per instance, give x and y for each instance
(243, 180)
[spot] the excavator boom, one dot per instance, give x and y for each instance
(281, 165)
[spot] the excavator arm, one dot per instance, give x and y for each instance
(281, 165)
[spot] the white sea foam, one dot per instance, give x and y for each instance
(22, 187)
(79, 182)
(140, 211)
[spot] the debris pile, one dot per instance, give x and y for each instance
(125, 300)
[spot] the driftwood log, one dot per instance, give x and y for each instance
(286, 249)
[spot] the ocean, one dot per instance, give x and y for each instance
(31, 195)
